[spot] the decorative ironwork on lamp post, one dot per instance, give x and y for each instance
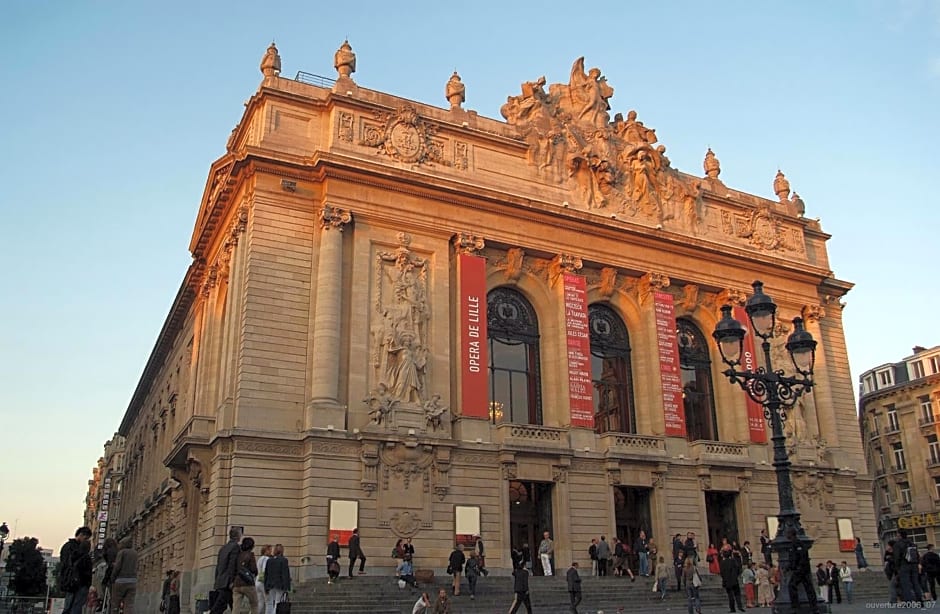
(776, 392)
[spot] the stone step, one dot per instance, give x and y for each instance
(381, 595)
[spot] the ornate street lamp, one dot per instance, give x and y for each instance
(776, 392)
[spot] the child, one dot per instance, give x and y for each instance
(748, 578)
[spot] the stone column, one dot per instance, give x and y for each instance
(324, 408)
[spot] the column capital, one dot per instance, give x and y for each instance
(334, 217)
(468, 243)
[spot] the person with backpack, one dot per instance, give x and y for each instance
(75, 570)
(243, 588)
(931, 565)
(906, 561)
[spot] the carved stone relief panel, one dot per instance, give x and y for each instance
(405, 476)
(404, 136)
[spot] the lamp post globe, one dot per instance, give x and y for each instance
(776, 392)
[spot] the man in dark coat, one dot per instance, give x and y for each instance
(520, 588)
(75, 570)
(906, 561)
(800, 574)
(225, 568)
(574, 586)
(730, 580)
(332, 559)
(355, 552)
(931, 564)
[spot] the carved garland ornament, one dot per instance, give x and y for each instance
(405, 137)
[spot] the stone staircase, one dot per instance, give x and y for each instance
(381, 595)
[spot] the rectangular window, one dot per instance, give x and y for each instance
(933, 446)
(936, 487)
(899, 462)
(917, 369)
(893, 423)
(934, 364)
(870, 383)
(904, 492)
(344, 517)
(926, 410)
(884, 377)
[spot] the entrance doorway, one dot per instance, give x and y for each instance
(632, 514)
(530, 514)
(722, 517)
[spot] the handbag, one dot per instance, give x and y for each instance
(696, 579)
(450, 570)
(283, 607)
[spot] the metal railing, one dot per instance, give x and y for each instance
(311, 79)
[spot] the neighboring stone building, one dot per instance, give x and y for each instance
(104, 492)
(427, 323)
(898, 411)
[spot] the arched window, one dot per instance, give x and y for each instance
(610, 371)
(513, 329)
(697, 397)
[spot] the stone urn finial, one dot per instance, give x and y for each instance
(712, 165)
(344, 60)
(456, 92)
(781, 186)
(271, 62)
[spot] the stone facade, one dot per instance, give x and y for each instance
(899, 405)
(313, 355)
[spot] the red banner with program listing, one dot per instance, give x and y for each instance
(755, 412)
(474, 362)
(580, 390)
(673, 409)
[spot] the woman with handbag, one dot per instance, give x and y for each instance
(246, 570)
(692, 582)
(277, 582)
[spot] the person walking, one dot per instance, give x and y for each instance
(662, 577)
(455, 566)
(692, 582)
(848, 582)
(546, 552)
(592, 553)
(473, 570)
(124, 579)
(259, 581)
(422, 605)
(243, 588)
(225, 567)
(574, 586)
(800, 574)
(603, 557)
(822, 581)
(860, 561)
(332, 560)
(356, 553)
(75, 570)
(691, 547)
(931, 565)
(277, 579)
(891, 572)
(173, 593)
(906, 561)
(520, 589)
(482, 554)
(713, 559)
(730, 580)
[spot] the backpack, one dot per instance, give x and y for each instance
(911, 555)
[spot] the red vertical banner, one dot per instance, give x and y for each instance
(474, 362)
(580, 390)
(673, 409)
(755, 411)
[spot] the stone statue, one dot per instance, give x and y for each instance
(644, 194)
(633, 131)
(271, 62)
(781, 186)
(404, 375)
(455, 92)
(712, 165)
(380, 404)
(344, 61)
(434, 412)
(589, 93)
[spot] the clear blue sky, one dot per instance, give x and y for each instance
(112, 112)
